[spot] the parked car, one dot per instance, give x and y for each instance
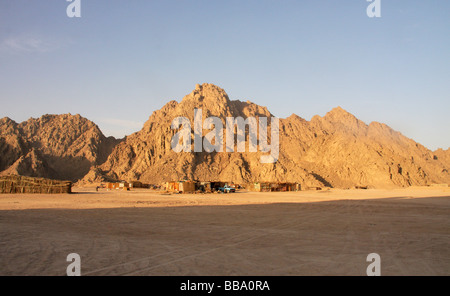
(226, 189)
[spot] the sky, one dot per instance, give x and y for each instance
(122, 60)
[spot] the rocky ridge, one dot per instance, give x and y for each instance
(336, 150)
(52, 146)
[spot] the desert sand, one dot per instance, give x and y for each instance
(145, 232)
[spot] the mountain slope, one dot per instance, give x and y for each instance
(53, 146)
(335, 150)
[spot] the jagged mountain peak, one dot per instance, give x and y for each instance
(338, 114)
(6, 120)
(207, 93)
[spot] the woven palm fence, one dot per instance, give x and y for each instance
(21, 184)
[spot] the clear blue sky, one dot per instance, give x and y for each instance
(124, 59)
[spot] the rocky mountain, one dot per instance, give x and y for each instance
(336, 150)
(346, 152)
(52, 146)
(442, 155)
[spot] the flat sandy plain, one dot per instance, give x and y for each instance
(144, 232)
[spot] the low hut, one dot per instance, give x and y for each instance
(181, 186)
(119, 185)
(136, 184)
(273, 186)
